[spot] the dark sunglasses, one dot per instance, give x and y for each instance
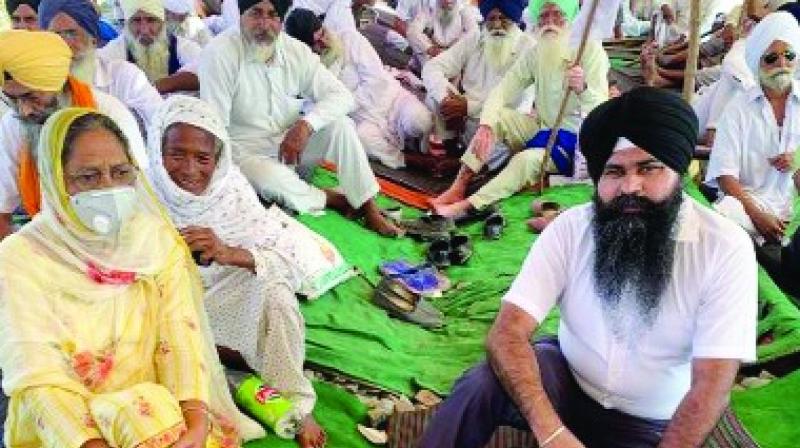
(772, 58)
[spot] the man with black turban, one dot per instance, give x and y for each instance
(23, 14)
(76, 21)
(658, 299)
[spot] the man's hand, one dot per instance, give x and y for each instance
(576, 79)
(768, 225)
(565, 440)
(434, 51)
(295, 142)
(483, 143)
(453, 107)
(206, 242)
(782, 162)
(400, 26)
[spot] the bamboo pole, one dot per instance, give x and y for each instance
(551, 141)
(694, 52)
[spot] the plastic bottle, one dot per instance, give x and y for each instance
(266, 405)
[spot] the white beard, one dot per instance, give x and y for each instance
(498, 50)
(445, 16)
(333, 56)
(553, 49)
(779, 80)
(83, 69)
(256, 51)
(152, 59)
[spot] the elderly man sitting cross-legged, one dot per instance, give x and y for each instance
(283, 108)
(753, 158)
(658, 300)
(548, 66)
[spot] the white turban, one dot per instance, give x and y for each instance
(780, 26)
(153, 7)
(179, 6)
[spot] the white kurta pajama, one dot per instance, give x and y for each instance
(127, 83)
(259, 102)
(256, 314)
(427, 29)
(386, 114)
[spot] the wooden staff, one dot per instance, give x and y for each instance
(694, 52)
(551, 141)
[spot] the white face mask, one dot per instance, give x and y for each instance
(104, 211)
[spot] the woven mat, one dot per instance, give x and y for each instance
(406, 428)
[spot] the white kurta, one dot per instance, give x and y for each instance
(12, 141)
(259, 102)
(386, 114)
(735, 79)
(708, 310)
(195, 30)
(426, 30)
(747, 136)
(478, 77)
(127, 83)
(188, 52)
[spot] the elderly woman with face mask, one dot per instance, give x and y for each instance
(117, 350)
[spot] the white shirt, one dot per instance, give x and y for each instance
(338, 13)
(362, 72)
(467, 59)
(708, 309)
(446, 35)
(12, 141)
(407, 10)
(747, 136)
(128, 84)
(195, 29)
(258, 102)
(188, 52)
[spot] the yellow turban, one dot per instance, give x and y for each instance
(39, 60)
(153, 7)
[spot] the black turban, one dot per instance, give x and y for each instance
(281, 6)
(658, 121)
(302, 24)
(12, 5)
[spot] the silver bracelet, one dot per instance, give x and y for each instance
(553, 436)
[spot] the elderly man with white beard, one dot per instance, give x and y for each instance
(479, 60)
(386, 114)
(284, 110)
(657, 297)
(753, 161)
(182, 21)
(434, 30)
(546, 66)
(76, 22)
(170, 62)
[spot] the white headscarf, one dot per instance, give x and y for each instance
(780, 26)
(153, 7)
(179, 6)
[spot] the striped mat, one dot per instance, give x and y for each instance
(405, 428)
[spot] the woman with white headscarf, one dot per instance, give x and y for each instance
(255, 260)
(103, 337)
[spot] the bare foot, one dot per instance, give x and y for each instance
(377, 222)
(453, 210)
(338, 202)
(311, 435)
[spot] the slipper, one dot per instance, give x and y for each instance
(393, 213)
(428, 227)
(439, 253)
(540, 206)
(392, 297)
(493, 226)
(538, 224)
(396, 267)
(460, 250)
(425, 281)
(476, 215)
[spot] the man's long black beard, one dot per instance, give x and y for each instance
(634, 252)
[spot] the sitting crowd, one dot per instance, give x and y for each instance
(146, 160)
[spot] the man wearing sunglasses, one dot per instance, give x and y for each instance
(35, 84)
(753, 158)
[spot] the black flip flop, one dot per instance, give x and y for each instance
(493, 226)
(460, 250)
(439, 253)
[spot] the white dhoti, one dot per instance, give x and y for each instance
(337, 143)
(259, 317)
(384, 137)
